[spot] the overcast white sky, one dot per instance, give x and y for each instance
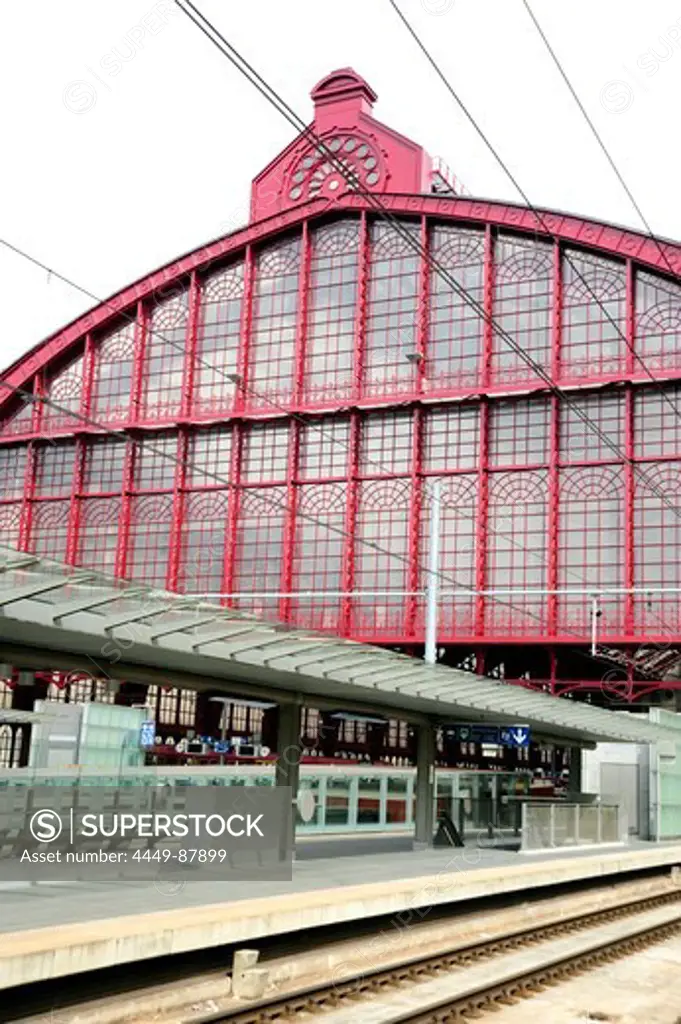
(128, 139)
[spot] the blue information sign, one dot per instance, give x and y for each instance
(148, 734)
(516, 736)
(494, 735)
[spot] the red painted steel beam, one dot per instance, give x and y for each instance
(233, 505)
(607, 239)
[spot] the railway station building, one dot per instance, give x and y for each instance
(264, 424)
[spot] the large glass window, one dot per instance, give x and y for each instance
(151, 517)
(113, 376)
(517, 554)
(386, 443)
(259, 548)
(658, 324)
(324, 447)
(458, 528)
(451, 438)
(64, 389)
(265, 452)
(319, 546)
(217, 346)
(382, 520)
(209, 457)
(392, 310)
(156, 462)
(18, 419)
(331, 312)
(104, 462)
(10, 519)
(657, 531)
(165, 347)
(523, 286)
(203, 542)
(519, 432)
(49, 528)
(275, 312)
(12, 471)
(98, 533)
(601, 437)
(657, 422)
(456, 327)
(591, 544)
(55, 466)
(594, 300)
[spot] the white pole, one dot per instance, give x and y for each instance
(594, 625)
(433, 577)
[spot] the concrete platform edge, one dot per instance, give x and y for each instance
(70, 949)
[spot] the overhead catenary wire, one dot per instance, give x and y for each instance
(535, 211)
(599, 139)
(215, 36)
(204, 473)
(217, 39)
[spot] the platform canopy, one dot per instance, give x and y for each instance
(62, 618)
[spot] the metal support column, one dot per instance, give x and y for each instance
(575, 779)
(425, 787)
(287, 770)
(432, 585)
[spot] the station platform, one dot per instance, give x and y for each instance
(54, 930)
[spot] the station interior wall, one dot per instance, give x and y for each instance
(665, 779)
(347, 799)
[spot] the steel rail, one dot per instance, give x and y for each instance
(326, 997)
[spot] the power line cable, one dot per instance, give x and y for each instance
(164, 454)
(219, 41)
(537, 213)
(620, 177)
(208, 29)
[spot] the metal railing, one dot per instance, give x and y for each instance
(557, 825)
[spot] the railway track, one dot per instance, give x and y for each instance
(468, 982)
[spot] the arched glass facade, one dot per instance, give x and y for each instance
(290, 405)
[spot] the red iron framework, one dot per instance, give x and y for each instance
(313, 374)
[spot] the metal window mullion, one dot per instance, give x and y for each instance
(289, 531)
(630, 317)
(629, 526)
(179, 483)
(553, 516)
(361, 307)
(351, 514)
(483, 458)
(246, 330)
(25, 520)
(415, 512)
(488, 305)
(300, 342)
(88, 376)
(482, 522)
(121, 563)
(38, 410)
(139, 358)
(75, 502)
(189, 368)
(423, 322)
(232, 525)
